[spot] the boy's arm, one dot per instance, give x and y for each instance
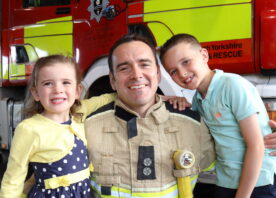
(92, 104)
(177, 102)
(270, 139)
(253, 158)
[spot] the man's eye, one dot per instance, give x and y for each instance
(122, 68)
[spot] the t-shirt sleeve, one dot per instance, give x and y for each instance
(242, 97)
(195, 103)
(23, 145)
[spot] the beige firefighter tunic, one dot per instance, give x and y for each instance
(132, 155)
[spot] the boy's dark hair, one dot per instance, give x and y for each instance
(174, 40)
(126, 39)
(33, 107)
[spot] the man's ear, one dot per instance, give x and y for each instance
(205, 54)
(158, 73)
(34, 94)
(112, 81)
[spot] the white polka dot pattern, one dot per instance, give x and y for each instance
(75, 161)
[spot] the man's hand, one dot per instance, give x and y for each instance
(270, 139)
(179, 103)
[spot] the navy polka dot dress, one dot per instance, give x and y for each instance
(75, 161)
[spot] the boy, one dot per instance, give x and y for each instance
(235, 115)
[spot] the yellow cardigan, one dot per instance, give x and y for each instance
(39, 139)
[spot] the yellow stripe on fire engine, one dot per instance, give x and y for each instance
(55, 26)
(46, 45)
(67, 18)
(153, 6)
(207, 23)
(17, 71)
(53, 36)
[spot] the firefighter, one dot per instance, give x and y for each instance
(132, 141)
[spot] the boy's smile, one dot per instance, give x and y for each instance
(187, 65)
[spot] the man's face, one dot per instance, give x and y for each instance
(187, 65)
(136, 75)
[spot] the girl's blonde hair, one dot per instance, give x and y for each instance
(33, 107)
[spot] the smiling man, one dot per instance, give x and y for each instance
(132, 140)
(135, 75)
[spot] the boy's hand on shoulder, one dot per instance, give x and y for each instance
(270, 139)
(177, 102)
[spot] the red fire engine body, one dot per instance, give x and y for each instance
(240, 36)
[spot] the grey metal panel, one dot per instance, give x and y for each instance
(10, 115)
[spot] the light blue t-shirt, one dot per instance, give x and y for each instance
(229, 99)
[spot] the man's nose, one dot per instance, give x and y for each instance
(137, 72)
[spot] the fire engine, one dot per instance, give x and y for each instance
(240, 36)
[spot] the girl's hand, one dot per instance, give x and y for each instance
(270, 139)
(179, 103)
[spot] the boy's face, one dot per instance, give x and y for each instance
(187, 65)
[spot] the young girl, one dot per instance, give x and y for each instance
(52, 139)
(235, 114)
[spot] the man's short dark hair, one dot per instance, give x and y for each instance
(126, 39)
(178, 38)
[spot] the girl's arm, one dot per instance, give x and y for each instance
(253, 158)
(90, 105)
(17, 168)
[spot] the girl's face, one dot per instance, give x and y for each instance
(57, 89)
